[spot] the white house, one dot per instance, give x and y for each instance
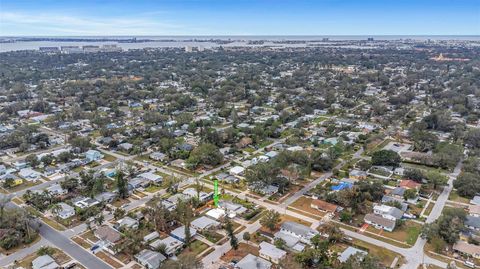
(65, 211)
(203, 223)
(271, 253)
(93, 155)
(236, 171)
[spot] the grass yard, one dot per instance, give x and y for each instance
(196, 247)
(108, 157)
(457, 198)
(386, 256)
(294, 219)
(212, 236)
(304, 204)
(153, 188)
(105, 257)
(408, 233)
(84, 244)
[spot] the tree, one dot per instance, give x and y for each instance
(122, 185)
(32, 160)
(271, 220)
(361, 261)
(410, 194)
(279, 243)
(229, 230)
(246, 236)
(364, 165)
(206, 154)
(435, 178)
(467, 184)
(447, 227)
(386, 158)
(345, 216)
(424, 140)
(472, 138)
(47, 159)
(118, 213)
(4, 200)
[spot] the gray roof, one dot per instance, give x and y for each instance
(472, 221)
(380, 220)
(152, 258)
(298, 229)
(44, 262)
(396, 213)
(475, 200)
(271, 251)
(204, 222)
(398, 191)
(253, 262)
(387, 198)
(350, 251)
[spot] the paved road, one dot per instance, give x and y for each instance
(75, 251)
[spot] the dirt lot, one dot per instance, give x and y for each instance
(242, 251)
(105, 257)
(303, 203)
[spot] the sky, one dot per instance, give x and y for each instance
(238, 17)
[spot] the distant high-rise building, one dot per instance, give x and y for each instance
(200, 48)
(325, 39)
(370, 39)
(188, 49)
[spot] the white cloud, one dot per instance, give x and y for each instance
(14, 23)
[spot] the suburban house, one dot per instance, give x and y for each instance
(150, 259)
(232, 209)
(473, 223)
(93, 155)
(65, 211)
(108, 237)
(216, 213)
(127, 222)
(202, 196)
(357, 174)
(204, 223)
(29, 174)
(236, 171)
(324, 206)
(172, 245)
(44, 262)
(475, 200)
(474, 210)
(350, 251)
(251, 261)
(465, 248)
(151, 177)
(151, 236)
(125, 146)
(388, 212)
(410, 184)
(271, 253)
(380, 222)
(158, 156)
(302, 232)
(56, 189)
(179, 233)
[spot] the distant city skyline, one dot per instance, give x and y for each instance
(241, 17)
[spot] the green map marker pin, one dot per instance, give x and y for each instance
(215, 193)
